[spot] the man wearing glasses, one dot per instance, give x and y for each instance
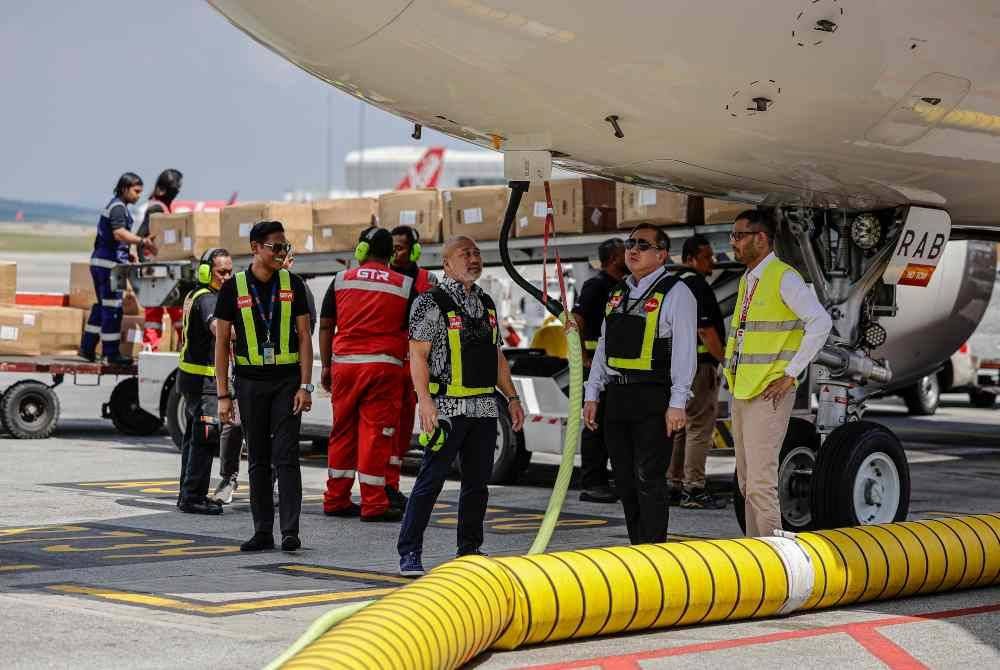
(778, 327)
(645, 362)
(267, 307)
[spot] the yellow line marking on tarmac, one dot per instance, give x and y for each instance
(130, 485)
(337, 572)
(186, 606)
(19, 567)
(4, 532)
(103, 534)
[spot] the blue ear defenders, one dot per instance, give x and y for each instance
(361, 251)
(434, 441)
(205, 268)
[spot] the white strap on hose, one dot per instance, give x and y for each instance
(798, 567)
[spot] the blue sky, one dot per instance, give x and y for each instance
(89, 90)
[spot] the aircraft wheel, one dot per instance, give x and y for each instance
(506, 454)
(795, 470)
(861, 477)
(124, 411)
(30, 410)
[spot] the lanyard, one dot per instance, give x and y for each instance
(266, 318)
(744, 311)
(642, 298)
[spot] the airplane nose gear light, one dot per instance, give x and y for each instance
(866, 231)
(875, 335)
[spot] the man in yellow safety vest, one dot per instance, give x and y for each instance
(778, 327)
(196, 380)
(267, 307)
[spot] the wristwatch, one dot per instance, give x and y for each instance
(308, 388)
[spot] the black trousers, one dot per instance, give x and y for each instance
(635, 433)
(272, 435)
(474, 440)
(196, 454)
(594, 453)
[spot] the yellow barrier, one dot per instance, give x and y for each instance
(471, 604)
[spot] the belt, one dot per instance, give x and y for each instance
(629, 378)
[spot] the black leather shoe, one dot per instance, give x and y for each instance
(258, 542)
(201, 507)
(391, 514)
(90, 357)
(396, 498)
(119, 361)
(350, 511)
(599, 494)
(290, 543)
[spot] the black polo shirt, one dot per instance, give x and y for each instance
(709, 313)
(592, 301)
(226, 308)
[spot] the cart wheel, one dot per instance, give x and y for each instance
(30, 410)
(176, 416)
(124, 411)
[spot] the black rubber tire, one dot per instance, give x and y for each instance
(30, 410)
(837, 466)
(126, 415)
(175, 418)
(982, 399)
(506, 453)
(801, 433)
(923, 397)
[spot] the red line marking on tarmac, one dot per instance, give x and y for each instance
(885, 650)
(864, 633)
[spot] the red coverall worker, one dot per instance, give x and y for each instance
(152, 331)
(368, 305)
(422, 281)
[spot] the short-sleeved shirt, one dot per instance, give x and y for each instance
(200, 339)
(709, 313)
(591, 302)
(427, 324)
(227, 310)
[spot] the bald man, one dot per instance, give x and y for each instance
(457, 404)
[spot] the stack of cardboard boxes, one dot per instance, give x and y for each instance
(184, 235)
(49, 327)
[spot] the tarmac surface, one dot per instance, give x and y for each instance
(98, 569)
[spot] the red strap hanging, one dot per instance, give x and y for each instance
(550, 229)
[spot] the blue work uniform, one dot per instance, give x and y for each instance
(105, 320)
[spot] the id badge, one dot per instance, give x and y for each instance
(268, 354)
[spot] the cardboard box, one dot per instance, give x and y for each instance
(637, 204)
(8, 282)
(419, 208)
(235, 222)
(20, 331)
(723, 211)
(81, 286)
(580, 206)
(337, 224)
(131, 343)
(476, 212)
(62, 328)
(185, 235)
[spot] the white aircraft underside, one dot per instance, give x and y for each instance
(867, 104)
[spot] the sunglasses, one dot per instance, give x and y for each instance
(278, 247)
(641, 245)
(738, 235)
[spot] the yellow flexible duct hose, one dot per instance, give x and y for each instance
(470, 604)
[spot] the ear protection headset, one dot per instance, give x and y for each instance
(361, 251)
(205, 267)
(415, 248)
(434, 441)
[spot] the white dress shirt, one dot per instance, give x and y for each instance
(678, 320)
(801, 299)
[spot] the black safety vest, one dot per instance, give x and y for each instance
(472, 349)
(198, 350)
(631, 331)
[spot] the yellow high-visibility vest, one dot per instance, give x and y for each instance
(771, 335)
(254, 357)
(186, 364)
